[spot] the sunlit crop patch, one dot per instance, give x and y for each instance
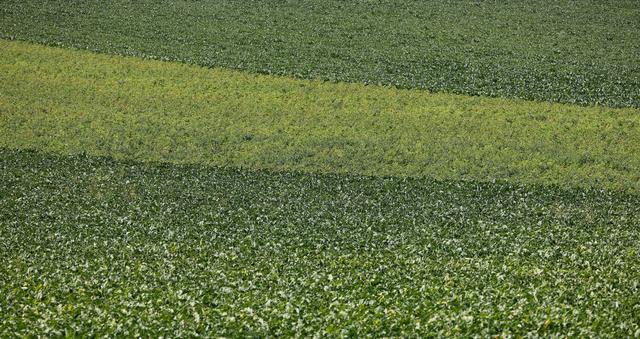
(71, 102)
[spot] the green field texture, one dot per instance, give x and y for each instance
(75, 101)
(584, 52)
(92, 246)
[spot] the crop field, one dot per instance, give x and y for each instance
(287, 168)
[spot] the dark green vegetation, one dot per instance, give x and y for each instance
(71, 101)
(585, 52)
(94, 246)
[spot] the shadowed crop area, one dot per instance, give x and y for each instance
(73, 101)
(583, 52)
(93, 246)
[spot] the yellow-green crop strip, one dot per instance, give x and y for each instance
(72, 101)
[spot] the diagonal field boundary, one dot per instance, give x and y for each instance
(72, 101)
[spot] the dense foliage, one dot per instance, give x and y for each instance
(71, 101)
(582, 52)
(361, 209)
(93, 246)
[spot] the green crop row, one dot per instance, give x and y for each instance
(583, 52)
(72, 101)
(91, 247)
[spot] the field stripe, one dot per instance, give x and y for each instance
(73, 101)
(84, 241)
(583, 52)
